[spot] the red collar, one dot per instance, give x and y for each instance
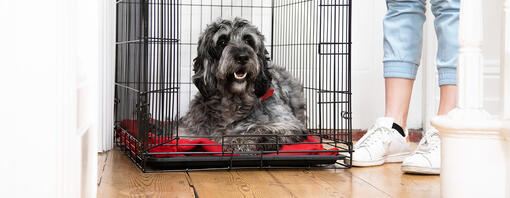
(268, 94)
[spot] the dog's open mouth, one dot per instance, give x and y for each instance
(239, 81)
(240, 75)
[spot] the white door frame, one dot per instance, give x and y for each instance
(107, 75)
(430, 81)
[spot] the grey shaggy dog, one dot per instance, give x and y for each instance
(232, 73)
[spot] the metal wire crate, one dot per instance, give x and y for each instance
(155, 47)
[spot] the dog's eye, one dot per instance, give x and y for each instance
(248, 40)
(222, 43)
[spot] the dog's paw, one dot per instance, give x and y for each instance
(296, 138)
(239, 144)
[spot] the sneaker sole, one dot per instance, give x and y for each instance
(387, 159)
(420, 170)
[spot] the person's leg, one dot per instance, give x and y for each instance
(427, 157)
(398, 98)
(402, 51)
(403, 26)
(448, 99)
(446, 23)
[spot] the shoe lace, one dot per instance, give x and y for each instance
(373, 135)
(429, 142)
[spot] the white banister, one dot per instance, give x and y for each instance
(472, 148)
(470, 78)
(505, 60)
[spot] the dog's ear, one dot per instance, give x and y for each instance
(203, 79)
(198, 80)
(262, 83)
(264, 78)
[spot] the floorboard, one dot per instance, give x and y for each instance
(281, 183)
(389, 178)
(121, 178)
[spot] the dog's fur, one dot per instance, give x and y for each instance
(230, 106)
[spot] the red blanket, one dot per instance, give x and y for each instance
(183, 145)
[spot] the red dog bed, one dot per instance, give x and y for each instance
(185, 145)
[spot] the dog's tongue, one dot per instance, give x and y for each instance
(240, 75)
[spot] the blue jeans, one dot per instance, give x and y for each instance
(403, 30)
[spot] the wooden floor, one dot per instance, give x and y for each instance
(119, 177)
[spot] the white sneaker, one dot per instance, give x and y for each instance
(427, 157)
(380, 144)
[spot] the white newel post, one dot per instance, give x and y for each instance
(472, 147)
(505, 60)
(505, 80)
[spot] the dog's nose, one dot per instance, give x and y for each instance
(242, 58)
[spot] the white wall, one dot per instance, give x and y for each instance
(492, 12)
(29, 77)
(49, 61)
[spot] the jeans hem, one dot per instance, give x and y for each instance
(447, 75)
(400, 69)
